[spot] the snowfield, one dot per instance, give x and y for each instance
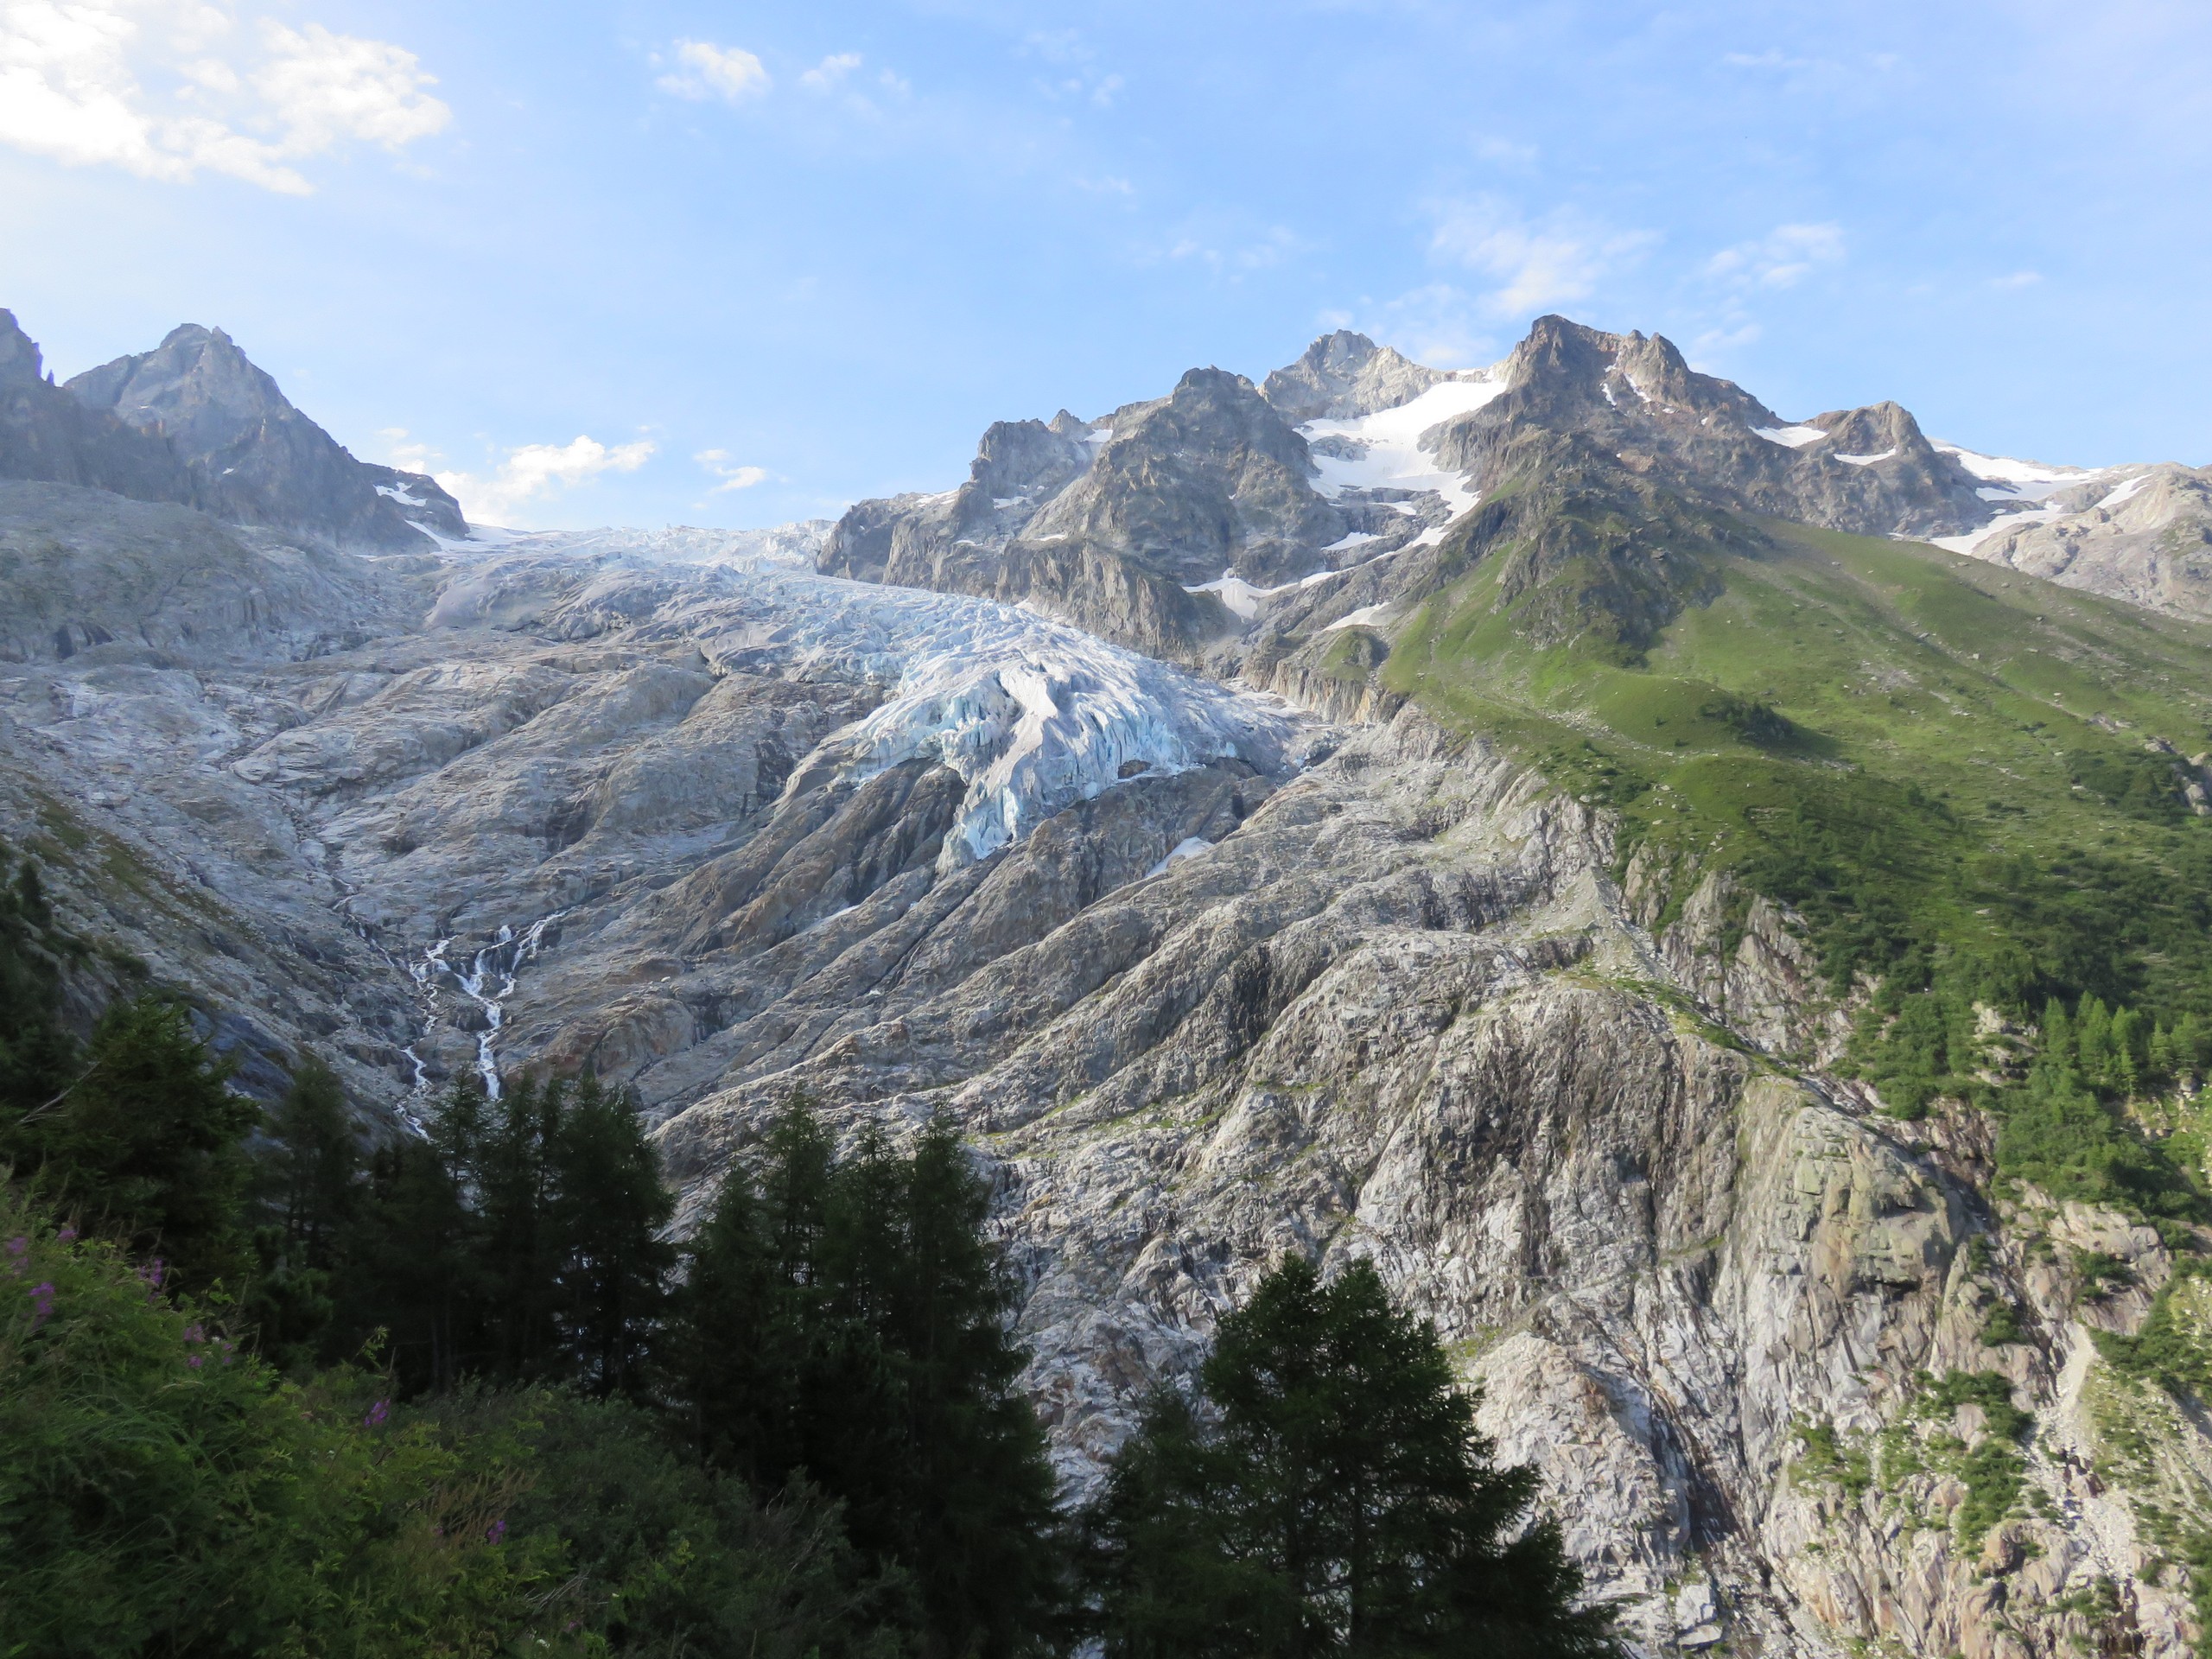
(1388, 452)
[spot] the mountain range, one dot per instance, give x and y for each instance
(1564, 831)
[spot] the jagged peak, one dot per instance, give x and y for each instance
(1343, 376)
(193, 365)
(21, 363)
(1561, 360)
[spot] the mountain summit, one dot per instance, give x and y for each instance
(193, 422)
(254, 458)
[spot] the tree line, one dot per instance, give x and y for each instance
(269, 1385)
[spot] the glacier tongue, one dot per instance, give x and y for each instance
(1031, 714)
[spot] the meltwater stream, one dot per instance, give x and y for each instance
(488, 981)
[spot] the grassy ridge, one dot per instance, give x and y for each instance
(1940, 762)
(1924, 707)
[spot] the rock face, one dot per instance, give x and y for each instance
(1111, 526)
(1205, 975)
(46, 434)
(1343, 376)
(2143, 534)
(252, 457)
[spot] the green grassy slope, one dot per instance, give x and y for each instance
(1942, 763)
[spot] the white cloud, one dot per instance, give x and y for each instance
(2016, 279)
(1718, 341)
(825, 75)
(1780, 259)
(1504, 152)
(705, 70)
(532, 471)
(716, 461)
(1550, 262)
(325, 87)
(1769, 59)
(165, 89)
(1056, 46)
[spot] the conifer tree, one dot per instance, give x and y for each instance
(608, 1208)
(847, 1324)
(1330, 1496)
(147, 1142)
(511, 1178)
(413, 1258)
(35, 1053)
(312, 1186)
(732, 1358)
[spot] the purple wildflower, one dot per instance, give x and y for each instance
(378, 1413)
(197, 1360)
(42, 1303)
(18, 1245)
(495, 1532)
(195, 1333)
(65, 1236)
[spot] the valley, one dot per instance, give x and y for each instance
(1563, 833)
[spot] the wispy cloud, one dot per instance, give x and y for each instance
(1536, 264)
(703, 70)
(717, 462)
(1782, 259)
(1226, 248)
(1439, 324)
(527, 474)
(2016, 279)
(1770, 58)
(167, 89)
(825, 75)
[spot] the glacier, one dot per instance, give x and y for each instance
(1033, 714)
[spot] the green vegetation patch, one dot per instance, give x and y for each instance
(1941, 765)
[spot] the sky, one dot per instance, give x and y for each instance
(735, 265)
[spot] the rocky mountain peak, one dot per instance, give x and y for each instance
(1564, 365)
(1345, 375)
(1017, 457)
(197, 388)
(254, 457)
(1879, 430)
(20, 362)
(48, 436)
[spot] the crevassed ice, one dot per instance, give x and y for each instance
(1033, 714)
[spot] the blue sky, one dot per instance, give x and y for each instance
(766, 259)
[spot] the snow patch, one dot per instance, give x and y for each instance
(1789, 437)
(1998, 526)
(398, 492)
(1868, 461)
(2125, 492)
(1357, 538)
(2030, 481)
(1389, 451)
(1365, 617)
(1189, 847)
